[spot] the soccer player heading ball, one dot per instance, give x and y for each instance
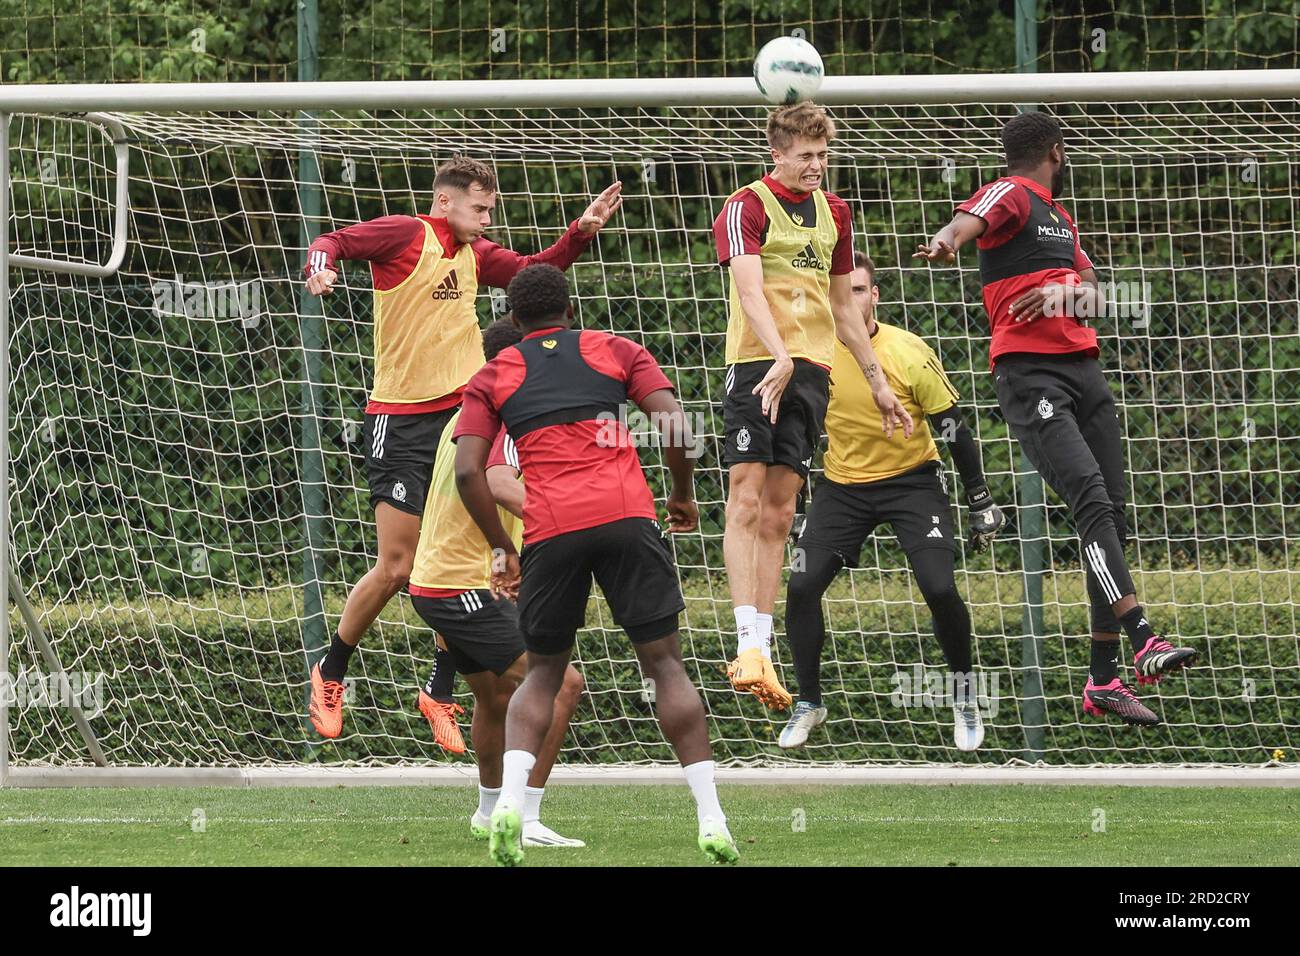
(789, 247)
(1037, 282)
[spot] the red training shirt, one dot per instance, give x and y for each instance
(574, 476)
(1004, 206)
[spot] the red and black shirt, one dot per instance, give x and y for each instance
(1030, 241)
(561, 394)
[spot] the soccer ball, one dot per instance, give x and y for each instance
(788, 70)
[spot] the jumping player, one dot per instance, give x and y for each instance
(788, 246)
(426, 272)
(1038, 284)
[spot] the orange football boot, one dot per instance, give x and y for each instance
(442, 720)
(326, 707)
(753, 672)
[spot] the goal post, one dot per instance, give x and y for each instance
(176, 424)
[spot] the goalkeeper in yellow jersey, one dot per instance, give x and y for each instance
(872, 479)
(451, 590)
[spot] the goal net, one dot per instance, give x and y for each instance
(186, 486)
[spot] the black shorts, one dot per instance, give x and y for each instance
(1061, 410)
(481, 632)
(400, 450)
(632, 562)
(914, 504)
(750, 435)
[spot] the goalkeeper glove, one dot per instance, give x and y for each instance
(800, 515)
(984, 520)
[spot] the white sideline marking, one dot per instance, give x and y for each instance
(466, 775)
(633, 818)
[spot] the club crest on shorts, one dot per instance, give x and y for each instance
(1044, 408)
(399, 491)
(742, 440)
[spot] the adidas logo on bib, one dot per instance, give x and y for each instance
(808, 259)
(448, 288)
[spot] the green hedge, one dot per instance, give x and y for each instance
(222, 680)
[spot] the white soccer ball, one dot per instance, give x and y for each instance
(788, 70)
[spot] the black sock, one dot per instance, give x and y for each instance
(334, 666)
(1104, 667)
(442, 678)
(1137, 627)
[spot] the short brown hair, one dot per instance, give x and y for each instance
(809, 120)
(863, 261)
(461, 172)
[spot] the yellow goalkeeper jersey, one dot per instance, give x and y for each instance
(858, 450)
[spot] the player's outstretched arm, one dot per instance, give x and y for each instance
(601, 209)
(943, 247)
(471, 482)
(851, 330)
(679, 447)
(497, 265)
(747, 274)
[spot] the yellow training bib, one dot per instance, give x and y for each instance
(796, 283)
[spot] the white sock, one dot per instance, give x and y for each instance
(516, 765)
(764, 628)
(487, 799)
(746, 628)
(700, 778)
(533, 803)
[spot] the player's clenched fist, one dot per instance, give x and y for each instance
(505, 574)
(683, 513)
(322, 282)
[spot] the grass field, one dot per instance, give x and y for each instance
(654, 825)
